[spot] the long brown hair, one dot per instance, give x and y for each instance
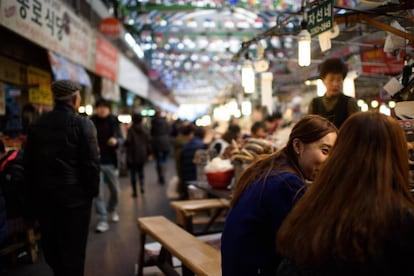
(362, 185)
(309, 129)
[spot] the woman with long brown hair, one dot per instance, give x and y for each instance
(357, 217)
(265, 193)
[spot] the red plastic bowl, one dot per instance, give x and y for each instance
(219, 180)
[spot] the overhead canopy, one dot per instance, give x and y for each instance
(189, 41)
(64, 69)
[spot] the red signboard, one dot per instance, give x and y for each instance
(106, 59)
(376, 61)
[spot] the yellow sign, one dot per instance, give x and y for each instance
(40, 93)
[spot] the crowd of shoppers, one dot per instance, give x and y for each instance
(328, 203)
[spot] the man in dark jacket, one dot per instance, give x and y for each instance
(109, 138)
(61, 161)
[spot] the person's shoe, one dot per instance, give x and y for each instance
(102, 226)
(115, 217)
(142, 190)
(134, 194)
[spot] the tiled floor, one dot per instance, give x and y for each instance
(114, 253)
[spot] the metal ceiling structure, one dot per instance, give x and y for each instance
(194, 49)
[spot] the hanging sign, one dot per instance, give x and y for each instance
(110, 27)
(52, 25)
(320, 18)
(107, 59)
(376, 61)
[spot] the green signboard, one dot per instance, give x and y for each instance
(320, 18)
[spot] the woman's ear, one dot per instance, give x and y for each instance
(297, 145)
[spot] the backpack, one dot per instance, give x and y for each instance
(12, 183)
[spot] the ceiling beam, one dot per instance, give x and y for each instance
(370, 20)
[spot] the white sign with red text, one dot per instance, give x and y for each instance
(52, 25)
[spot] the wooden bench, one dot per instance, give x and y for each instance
(186, 210)
(196, 256)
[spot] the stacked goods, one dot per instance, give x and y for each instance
(250, 149)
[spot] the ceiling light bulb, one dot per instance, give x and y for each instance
(248, 77)
(304, 48)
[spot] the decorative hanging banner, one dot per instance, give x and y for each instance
(320, 18)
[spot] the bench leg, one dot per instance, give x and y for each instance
(216, 214)
(141, 256)
(164, 263)
(189, 224)
(186, 271)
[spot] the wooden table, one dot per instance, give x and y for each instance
(186, 210)
(218, 193)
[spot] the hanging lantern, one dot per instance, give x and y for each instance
(304, 46)
(248, 77)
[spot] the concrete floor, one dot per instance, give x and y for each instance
(114, 253)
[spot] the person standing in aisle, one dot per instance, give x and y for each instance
(334, 105)
(160, 136)
(357, 218)
(185, 134)
(138, 145)
(109, 138)
(188, 167)
(61, 162)
(264, 194)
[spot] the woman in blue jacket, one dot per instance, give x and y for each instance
(266, 192)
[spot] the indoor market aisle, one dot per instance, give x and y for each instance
(114, 253)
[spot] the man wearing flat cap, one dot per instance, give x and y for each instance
(62, 176)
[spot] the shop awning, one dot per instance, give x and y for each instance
(64, 69)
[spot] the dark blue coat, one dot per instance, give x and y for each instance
(248, 244)
(188, 168)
